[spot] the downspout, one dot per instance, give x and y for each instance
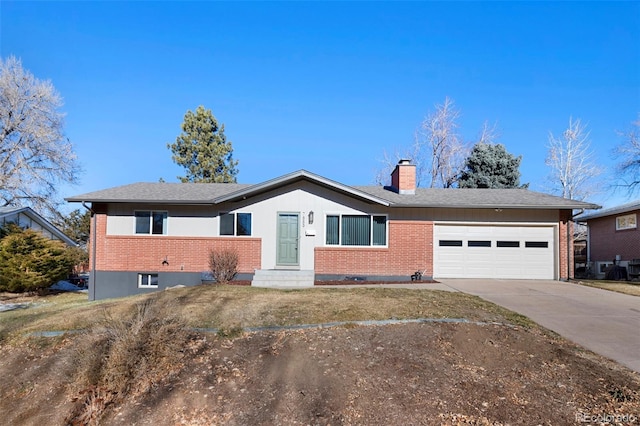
(92, 239)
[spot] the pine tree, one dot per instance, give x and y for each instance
(203, 150)
(491, 166)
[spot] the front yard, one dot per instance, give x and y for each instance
(141, 362)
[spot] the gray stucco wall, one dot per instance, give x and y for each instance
(110, 284)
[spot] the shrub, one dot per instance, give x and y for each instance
(29, 261)
(223, 264)
(127, 356)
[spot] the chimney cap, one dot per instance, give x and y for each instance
(404, 161)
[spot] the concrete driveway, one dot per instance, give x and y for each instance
(605, 322)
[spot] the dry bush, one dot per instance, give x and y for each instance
(223, 264)
(124, 357)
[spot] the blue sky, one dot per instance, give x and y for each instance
(325, 86)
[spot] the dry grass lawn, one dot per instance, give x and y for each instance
(626, 287)
(232, 307)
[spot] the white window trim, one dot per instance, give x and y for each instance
(150, 234)
(140, 285)
(235, 223)
(371, 215)
(625, 219)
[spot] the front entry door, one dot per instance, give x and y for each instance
(287, 252)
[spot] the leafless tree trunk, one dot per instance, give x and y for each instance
(628, 151)
(442, 145)
(35, 156)
(437, 150)
(573, 173)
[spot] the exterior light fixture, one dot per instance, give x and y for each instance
(311, 217)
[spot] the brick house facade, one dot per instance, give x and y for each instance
(147, 237)
(613, 237)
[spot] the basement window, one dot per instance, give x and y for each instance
(147, 280)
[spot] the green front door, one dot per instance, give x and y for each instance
(287, 254)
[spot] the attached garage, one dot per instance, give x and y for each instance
(494, 251)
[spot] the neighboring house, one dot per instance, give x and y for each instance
(27, 218)
(303, 227)
(614, 237)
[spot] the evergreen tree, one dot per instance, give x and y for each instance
(203, 150)
(76, 225)
(491, 166)
(30, 262)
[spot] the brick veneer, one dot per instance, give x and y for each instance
(403, 177)
(566, 257)
(184, 254)
(606, 242)
(409, 249)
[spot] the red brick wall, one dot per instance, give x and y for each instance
(409, 250)
(566, 258)
(606, 242)
(404, 177)
(184, 254)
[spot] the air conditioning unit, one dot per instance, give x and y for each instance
(601, 269)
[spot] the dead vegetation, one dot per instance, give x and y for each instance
(229, 307)
(140, 362)
(124, 357)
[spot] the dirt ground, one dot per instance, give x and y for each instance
(409, 374)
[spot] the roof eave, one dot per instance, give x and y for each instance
(293, 177)
(139, 201)
(499, 206)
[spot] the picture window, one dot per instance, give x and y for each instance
(356, 230)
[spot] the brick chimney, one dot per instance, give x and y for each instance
(403, 178)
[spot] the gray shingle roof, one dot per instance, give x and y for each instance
(33, 215)
(624, 208)
(476, 198)
(210, 193)
(165, 193)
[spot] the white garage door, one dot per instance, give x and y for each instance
(493, 252)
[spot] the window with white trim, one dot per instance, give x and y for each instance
(151, 222)
(626, 222)
(235, 224)
(356, 230)
(147, 280)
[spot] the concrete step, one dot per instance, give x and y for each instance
(283, 278)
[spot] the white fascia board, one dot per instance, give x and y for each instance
(292, 177)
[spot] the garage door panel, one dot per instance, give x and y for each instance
(467, 251)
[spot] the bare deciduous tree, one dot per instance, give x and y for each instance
(573, 174)
(437, 150)
(35, 155)
(445, 151)
(628, 152)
